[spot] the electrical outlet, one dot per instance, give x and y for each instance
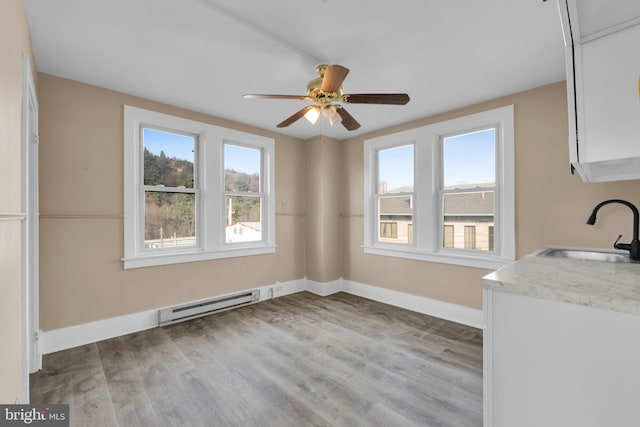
(283, 204)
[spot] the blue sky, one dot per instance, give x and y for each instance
(173, 145)
(241, 159)
(396, 167)
(468, 159)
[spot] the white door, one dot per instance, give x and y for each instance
(30, 228)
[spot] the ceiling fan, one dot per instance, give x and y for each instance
(326, 92)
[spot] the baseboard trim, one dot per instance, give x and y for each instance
(325, 288)
(280, 289)
(443, 310)
(86, 333)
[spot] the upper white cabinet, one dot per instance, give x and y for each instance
(602, 40)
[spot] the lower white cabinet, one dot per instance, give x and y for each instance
(555, 364)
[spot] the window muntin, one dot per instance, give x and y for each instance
(468, 188)
(178, 214)
(395, 193)
(169, 189)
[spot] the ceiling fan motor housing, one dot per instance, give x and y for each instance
(314, 88)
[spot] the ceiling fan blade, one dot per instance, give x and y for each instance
(347, 119)
(294, 118)
(268, 96)
(376, 98)
(334, 75)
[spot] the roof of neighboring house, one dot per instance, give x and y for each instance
(476, 203)
(467, 203)
(400, 205)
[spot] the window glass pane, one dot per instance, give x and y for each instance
(469, 220)
(169, 220)
(168, 158)
(241, 168)
(244, 223)
(395, 219)
(470, 159)
(395, 170)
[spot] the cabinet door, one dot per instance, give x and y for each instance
(554, 364)
(610, 125)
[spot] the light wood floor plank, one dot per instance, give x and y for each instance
(300, 360)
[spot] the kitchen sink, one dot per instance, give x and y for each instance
(585, 254)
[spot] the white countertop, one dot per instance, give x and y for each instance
(612, 286)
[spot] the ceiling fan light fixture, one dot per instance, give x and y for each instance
(329, 111)
(312, 115)
(335, 119)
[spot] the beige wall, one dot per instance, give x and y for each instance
(319, 225)
(14, 40)
(324, 254)
(81, 186)
(551, 205)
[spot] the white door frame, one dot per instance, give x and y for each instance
(30, 260)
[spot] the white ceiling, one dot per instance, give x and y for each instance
(203, 55)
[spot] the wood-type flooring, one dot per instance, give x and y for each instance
(298, 360)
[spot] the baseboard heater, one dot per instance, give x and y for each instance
(180, 313)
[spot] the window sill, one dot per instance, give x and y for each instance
(193, 256)
(490, 262)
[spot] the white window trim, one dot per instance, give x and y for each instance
(427, 224)
(210, 233)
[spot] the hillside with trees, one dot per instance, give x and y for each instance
(169, 215)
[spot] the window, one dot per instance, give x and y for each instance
(243, 193)
(194, 191)
(449, 186)
(169, 189)
(468, 186)
(395, 193)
